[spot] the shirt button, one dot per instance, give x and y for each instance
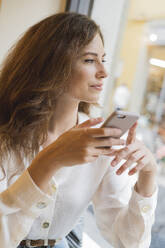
(45, 225)
(58, 240)
(41, 205)
(53, 187)
(146, 208)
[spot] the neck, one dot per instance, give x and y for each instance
(64, 118)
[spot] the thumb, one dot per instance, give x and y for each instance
(90, 122)
(132, 134)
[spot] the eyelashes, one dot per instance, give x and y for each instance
(90, 61)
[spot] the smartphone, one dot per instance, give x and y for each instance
(122, 120)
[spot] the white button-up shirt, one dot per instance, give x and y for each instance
(123, 216)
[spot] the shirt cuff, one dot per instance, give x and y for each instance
(144, 206)
(28, 197)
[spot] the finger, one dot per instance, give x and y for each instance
(141, 163)
(108, 142)
(92, 151)
(132, 134)
(134, 158)
(111, 152)
(104, 132)
(103, 151)
(91, 158)
(124, 153)
(90, 122)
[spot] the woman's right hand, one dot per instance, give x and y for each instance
(82, 144)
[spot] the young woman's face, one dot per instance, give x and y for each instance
(88, 73)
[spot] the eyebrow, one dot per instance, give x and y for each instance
(91, 53)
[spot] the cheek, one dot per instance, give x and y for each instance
(85, 75)
(82, 78)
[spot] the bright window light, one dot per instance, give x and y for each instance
(157, 62)
(88, 242)
(153, 37)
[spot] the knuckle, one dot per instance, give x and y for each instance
(132, 157)
(90, 140)
(84, 159)
(85, 130)
(117, 159)
(123, 142)
(107, 132)
(104, 131)
(86, 151)
(110, 140)
(106, 150)
(140, 166)
(91, 159)
(101, 131)
(116, 132)
(142, 161)
(127, 149)
(122, 153)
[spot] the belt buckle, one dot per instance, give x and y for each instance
(28, 243)
(46, 242)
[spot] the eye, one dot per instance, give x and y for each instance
(103, 61)
(89, 60)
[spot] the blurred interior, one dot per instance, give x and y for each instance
(134, 34)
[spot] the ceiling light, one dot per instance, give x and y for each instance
(157, 62)
(153, 37)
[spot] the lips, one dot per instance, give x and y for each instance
(97, 86)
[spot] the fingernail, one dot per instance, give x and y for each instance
(113, 163)
(118, 172)
(100, 119)
(94, 119)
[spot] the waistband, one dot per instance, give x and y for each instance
(39, 242)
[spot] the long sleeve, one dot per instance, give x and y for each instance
(123, 216)
(20, 204)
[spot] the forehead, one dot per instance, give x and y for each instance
(95, 45)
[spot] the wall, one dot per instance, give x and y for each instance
(18, 15)
(133, 39)
(147, 9)
(110, 15)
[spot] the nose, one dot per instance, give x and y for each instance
(101, 71)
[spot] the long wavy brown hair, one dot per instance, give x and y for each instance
(34, 75)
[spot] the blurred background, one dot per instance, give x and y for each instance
(134, 32)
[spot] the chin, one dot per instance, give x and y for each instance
(92, 100)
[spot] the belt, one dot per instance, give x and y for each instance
(39, 242)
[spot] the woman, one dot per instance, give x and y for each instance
(53, 166)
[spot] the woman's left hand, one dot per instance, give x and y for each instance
(134, 152)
